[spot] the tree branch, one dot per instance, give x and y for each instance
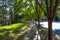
(48, 9)
(55, 7)
(51, 7)
(41, 7)
(46, 1)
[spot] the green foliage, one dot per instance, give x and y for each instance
(58, 12)
(18, 5)
(1, 10)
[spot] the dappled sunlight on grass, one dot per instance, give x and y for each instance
(2, 33)
(24, 28)
(11, 26)
(13, 31)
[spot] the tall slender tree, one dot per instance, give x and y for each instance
(37, 13)
(51, 11)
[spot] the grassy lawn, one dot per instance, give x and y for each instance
(12, 25)
(13, 30)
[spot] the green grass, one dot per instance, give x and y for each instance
(13, 31)
(11, 28)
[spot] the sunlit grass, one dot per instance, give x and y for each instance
(12, 27)
(13, 31)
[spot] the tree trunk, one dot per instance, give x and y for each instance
(38, 26)
(38, 17)
(38, 22)
(49, 30)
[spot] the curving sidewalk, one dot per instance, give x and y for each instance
(31, 34)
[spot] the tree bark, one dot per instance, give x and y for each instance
(50, 19)
(49, 30)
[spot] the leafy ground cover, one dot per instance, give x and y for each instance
(11, 32)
